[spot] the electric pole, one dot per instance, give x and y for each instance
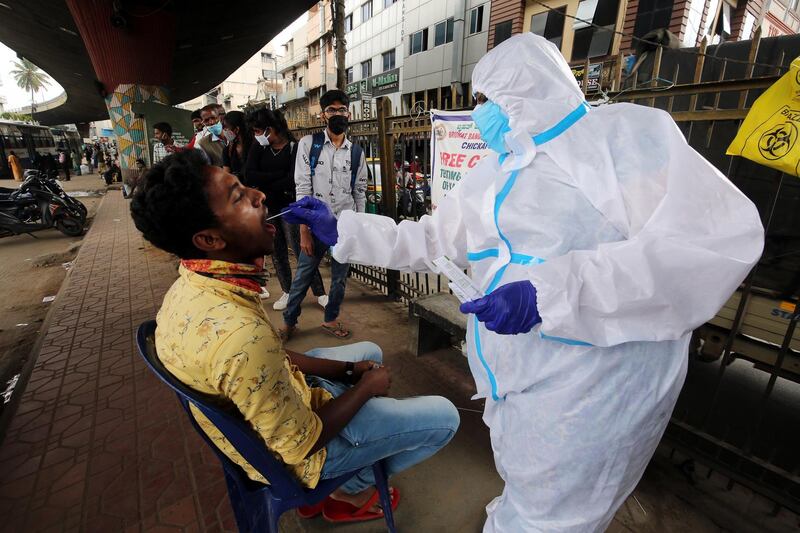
(338, 31)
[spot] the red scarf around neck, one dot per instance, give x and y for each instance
(242, 275)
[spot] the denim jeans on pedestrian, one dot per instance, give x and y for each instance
(306, 266)
(289, 235)
(401, 432)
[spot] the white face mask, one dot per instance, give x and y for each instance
(229, 135)
(263, 140)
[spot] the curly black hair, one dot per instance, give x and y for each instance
(171, 204)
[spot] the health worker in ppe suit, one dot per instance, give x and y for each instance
(601, 240)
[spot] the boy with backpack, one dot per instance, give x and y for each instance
(331, 168)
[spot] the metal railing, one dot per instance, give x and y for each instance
(740, 420)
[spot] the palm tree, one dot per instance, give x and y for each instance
(30, 78)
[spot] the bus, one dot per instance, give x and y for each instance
(24, 140)
(67, 140)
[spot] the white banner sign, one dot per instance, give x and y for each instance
(456, 147)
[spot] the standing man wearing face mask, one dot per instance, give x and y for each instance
(213, 144)
(330, 168)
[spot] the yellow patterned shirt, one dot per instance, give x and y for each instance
(216, 338)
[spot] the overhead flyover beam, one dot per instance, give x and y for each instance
(202, 43)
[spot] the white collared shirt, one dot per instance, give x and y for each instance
(332, 176)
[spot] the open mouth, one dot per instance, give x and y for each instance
(267, 225)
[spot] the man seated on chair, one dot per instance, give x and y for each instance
(324, 413)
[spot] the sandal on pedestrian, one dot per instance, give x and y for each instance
(338, 331)
(338, 511)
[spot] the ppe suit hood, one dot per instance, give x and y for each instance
(536, 90)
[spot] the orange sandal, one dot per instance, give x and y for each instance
(336, 511)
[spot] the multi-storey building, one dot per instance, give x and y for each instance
(374, 59)
(293, 68)
(241, 88)
(598, 29)
(269, 84)
(442, 43)
(415, 52)
(782, 18)
(321, 59)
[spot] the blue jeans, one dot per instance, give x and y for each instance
(287, 235)
(403, 432)
(306, 268)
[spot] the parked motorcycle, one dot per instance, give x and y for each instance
(411, 201)
(35, 207)
(50, 183)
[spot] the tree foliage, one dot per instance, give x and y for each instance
(29, 77)
(10, 115)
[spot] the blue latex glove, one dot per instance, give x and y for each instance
(316, 215)
(509, 310)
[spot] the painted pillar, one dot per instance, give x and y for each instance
(129, 130)
(132, 61)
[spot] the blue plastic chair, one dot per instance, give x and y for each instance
(257, 507)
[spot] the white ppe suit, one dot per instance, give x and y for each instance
(631, 240)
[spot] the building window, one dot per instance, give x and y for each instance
(591, 41)
(267, 74)
(366, 69)
(388, 60)
(443, 32)
(300, 81)
(476, 20)
(349, 73)
(549, 25)
(313, 51)
(265, 57)
(502, 31)
(652, 15)
(388, 3)
(418, 42)
(348, 23)
(366, 11)
(722, 28)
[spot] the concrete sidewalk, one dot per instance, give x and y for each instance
(99, 444)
